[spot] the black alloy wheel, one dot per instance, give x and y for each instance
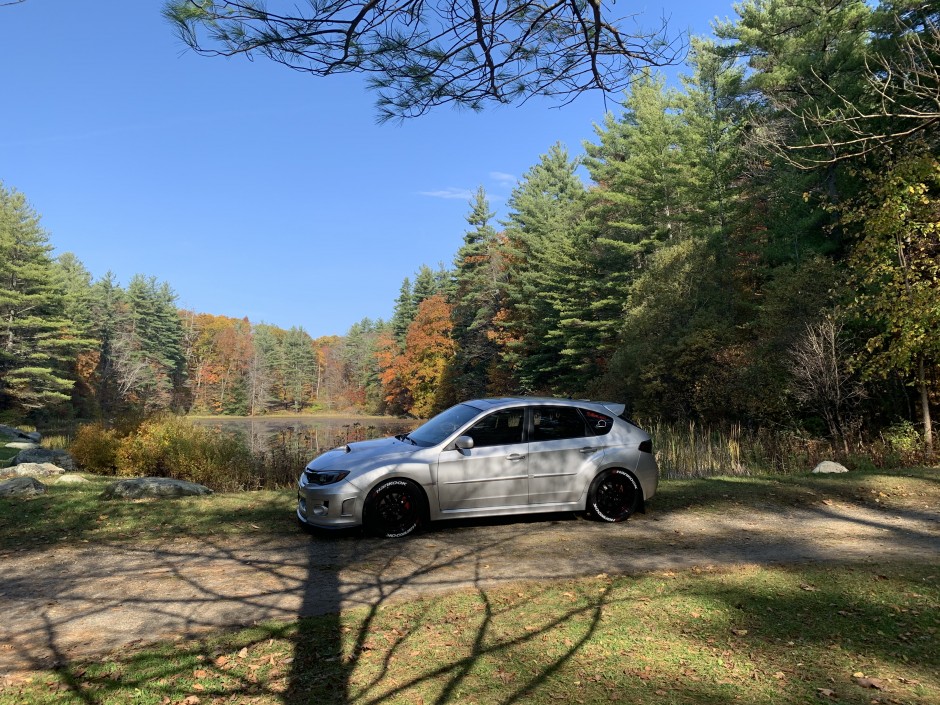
(394, 509)
(614, 496)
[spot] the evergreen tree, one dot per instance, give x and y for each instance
(426, 285)
(404, 313)
(542, 289)
(299, 364)
(36, 338)
(477, 298)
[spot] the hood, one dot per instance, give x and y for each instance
(361, 453)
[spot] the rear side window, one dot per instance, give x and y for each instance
(599, 423)
(555, 423)
(498, 429)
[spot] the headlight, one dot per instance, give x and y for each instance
(325, 477)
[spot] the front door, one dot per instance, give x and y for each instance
(494, 473)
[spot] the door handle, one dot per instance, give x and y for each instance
(515, 456)
(587, 450)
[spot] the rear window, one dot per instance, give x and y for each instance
(556, 423)
(599, 423)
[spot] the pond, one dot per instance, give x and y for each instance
(313, 434)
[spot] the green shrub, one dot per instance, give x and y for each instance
(95, 447)
(171, 446)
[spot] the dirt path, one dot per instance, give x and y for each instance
(64, 603)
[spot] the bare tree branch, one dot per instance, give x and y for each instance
(420, 54)
(902, 100)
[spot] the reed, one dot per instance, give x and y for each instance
(691, 449)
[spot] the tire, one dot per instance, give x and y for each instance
(394, 508)
(614, 496)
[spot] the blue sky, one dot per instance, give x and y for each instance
(252, 189)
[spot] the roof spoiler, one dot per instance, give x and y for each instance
(615, 408)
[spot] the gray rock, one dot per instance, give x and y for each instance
(17, 434)
(32, 470)
(45, 455)
(827, 466)
(22, 445)
(21, 487)
(161, 487)
(71, 480)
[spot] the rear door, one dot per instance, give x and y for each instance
(494, 473)
(561, 444)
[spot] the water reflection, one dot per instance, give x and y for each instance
(311, 435)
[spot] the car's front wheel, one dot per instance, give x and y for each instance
(393, 509)
(614, 495)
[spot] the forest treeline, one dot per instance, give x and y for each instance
(759, 246)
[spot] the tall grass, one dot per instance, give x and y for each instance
(690, 449)
(687, 450)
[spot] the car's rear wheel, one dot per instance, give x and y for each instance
(614, 495)
(394, 508)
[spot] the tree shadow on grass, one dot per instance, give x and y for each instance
(361, 618)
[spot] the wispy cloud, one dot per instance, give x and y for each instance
(502, 178)
(450, 193)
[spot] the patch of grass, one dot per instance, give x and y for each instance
(774, 636)
(76, 513)
(910, 488)
(6, 455)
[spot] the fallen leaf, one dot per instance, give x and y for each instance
(199, 674)
(825, 693)
(243, 653)
(870, 683)
(198, 686)
(808, 588)
(221, 661)
(191, 700)
(739, 632)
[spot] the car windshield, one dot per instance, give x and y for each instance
(443, 425)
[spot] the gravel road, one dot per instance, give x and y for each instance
(62, 603)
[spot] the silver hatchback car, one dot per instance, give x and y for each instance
(487, 457)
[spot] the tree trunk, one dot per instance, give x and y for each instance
(925, 407)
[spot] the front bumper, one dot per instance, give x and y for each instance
(329, 507)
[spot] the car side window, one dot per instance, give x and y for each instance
(555, 423)
(599, 423)
(498, 429)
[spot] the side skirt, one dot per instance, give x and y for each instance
(511, 510)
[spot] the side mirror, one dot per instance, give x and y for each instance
(463, 442)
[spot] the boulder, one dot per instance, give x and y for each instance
(21, 487)
(22, 445)
(71, 480)
(160, 487)
(32, 470)
(17, 434)
(45, 455)
(827, 466)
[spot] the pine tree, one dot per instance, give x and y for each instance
(299, 368)
(404, 313)
(477, 298)
(36, 339)
(541, 252)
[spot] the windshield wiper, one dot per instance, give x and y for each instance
(406, 437)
